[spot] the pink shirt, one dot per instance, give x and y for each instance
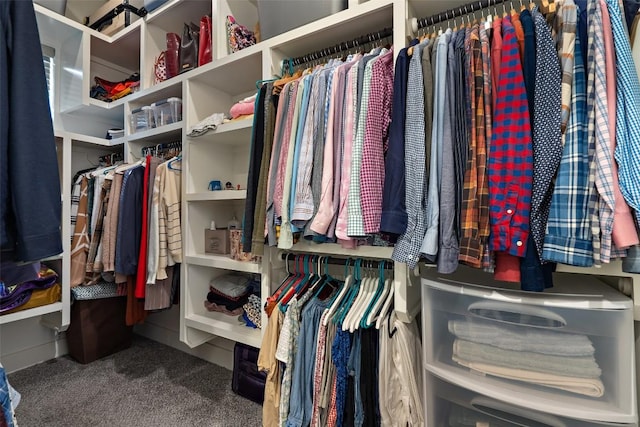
(349, 135)
(284, 152)
(375, 140)
(624, 231)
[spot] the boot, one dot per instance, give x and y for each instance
(172, 56)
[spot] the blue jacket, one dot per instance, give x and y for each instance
(30, 202)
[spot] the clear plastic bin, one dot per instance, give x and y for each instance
(167, 111)
(141, 119)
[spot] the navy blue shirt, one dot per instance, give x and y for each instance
(394, 209)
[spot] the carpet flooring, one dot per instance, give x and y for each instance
(148, 384)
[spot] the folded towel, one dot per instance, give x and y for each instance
(522, 338)
(586, 386)
(575, 366)
(210, 123)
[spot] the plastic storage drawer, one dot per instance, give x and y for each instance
(558, 323)
(449, 405)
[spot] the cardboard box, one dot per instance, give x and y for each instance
(216, 241)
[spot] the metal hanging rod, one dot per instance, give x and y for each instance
(158, 148)
(341, 47)
(368, 263)
(457, 12)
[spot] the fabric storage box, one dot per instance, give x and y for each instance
(247, 381)
(473, 337)
(216, 241)
(141, 119)
(450, 405)
(118, 22)
(98, 328)
(167, 111)
(279, 16)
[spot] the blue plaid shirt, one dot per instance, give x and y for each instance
(627, 112)
(568, 238)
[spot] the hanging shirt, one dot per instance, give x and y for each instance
(568, 238)
(349, 136)
(375, 142)
(274, 162)
(449, 250)
(355, 224)
(496, 57)
(624, 232)
(627, 112)
(267, 363)
(511, 157)
(394, 212)
(407, 248)
(566, 26)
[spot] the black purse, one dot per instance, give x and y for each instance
(189, 47)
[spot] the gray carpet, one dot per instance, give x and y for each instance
(148, 384)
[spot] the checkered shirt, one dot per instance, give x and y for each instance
(511, 158)
(568, 238)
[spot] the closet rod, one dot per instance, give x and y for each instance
(369, 263)
(340, 47)
(456, 12)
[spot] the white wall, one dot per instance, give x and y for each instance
(26, 342)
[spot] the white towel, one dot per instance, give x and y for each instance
(522, 338)
(582, 366)
(586, 386)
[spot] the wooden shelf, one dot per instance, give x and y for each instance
(32, 312)
(223, 325)
(224, 262)
(217, 195)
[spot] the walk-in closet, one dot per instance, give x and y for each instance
(294, 213)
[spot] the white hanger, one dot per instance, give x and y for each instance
(338, 300)
(368, 293)
(379, 302)
(385, 309)
(354, 310)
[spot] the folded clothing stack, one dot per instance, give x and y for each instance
(108, 91)
(535, 356)
(244, 108)
(229, 293)
(39, 289)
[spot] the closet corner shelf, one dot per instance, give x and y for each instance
(378, 252)
(108, 105)
(224, 262)
(32, 312)
(217, 195)
(161, 134)
(236, 133)
(223, 325)
(166, 89)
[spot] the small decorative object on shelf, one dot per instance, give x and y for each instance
(215, 185)
(216, 241)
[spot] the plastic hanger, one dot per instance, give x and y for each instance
(171, 162)
(351, 315)
(385, 309)
(348, 302)
(288, 281)
(375, 297)
(368, 292)
(371, 318)
(338, 299)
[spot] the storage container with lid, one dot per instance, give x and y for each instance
(167, 111)
(569, 350)
(141, 119)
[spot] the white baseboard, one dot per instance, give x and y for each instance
(33, 355)
(218, 351)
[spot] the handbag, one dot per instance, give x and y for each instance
(160, 68)
(172, 55)
(189, 47)
(238, 36)
(204, 51)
